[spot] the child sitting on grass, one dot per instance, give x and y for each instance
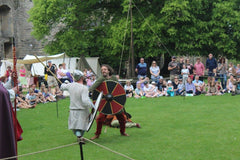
(170, 90)
(138, 93)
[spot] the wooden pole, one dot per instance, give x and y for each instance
(48, 69)
(132, 45)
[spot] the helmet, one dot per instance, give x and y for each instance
(77, 75)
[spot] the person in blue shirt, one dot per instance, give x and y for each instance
(211, 64)
(141, 68)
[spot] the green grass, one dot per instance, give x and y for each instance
(173, 128)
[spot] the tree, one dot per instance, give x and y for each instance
(172, 27)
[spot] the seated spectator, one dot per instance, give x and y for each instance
(236, 86)
(170, 89)
(189, 87)
(32, 98)
(141, 80)
(21, 103)
(48, 96)
(33, 87)
(175, 84)
(90, 73)
(184, 73)
(238, 70)
(180, 88)
(199, 85)
(138, 91)
(128, 87)
(154, 84)
(58, 93)
(150, 90)
(164, 88)
(159, 83)
(230, 84)
(220, 88)
(212, 89)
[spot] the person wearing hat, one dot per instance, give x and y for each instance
(173, 67)
(52, 82)
(170, 89)
(107, 74)
(80, 104)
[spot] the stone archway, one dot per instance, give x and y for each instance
(6, 31)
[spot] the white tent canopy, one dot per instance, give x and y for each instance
(72, 63)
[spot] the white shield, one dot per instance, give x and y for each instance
(93, 115)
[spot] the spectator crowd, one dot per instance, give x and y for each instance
(28, 96)
(214, 77)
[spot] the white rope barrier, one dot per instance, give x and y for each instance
(106, 148)
(46, 150)
(68, 145)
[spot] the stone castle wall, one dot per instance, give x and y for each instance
(14, 24)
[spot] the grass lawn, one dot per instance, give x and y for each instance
(173, 128)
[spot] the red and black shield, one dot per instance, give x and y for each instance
(114, 97)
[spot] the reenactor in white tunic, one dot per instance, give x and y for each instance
(80, 104)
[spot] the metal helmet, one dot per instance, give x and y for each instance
(77, 75)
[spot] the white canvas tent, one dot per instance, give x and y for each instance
(72, 63)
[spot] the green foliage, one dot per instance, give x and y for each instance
(175, 27)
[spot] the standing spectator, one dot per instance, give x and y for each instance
(52, 82)
(181, 63)
(128, 87)
(8, 71)
(190, 88)
(22, 76)
(173, 67)
(59, 74)
(90, 73)
(211, 64)
(184, 73)
(141, 68)
(190, 67)
(222, 68)
(155, 72)
(64, 71)
(199, 69)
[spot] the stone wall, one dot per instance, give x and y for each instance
(13, 23)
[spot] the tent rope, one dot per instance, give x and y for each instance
(124, 39)
(151, 28)
(68, 145)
